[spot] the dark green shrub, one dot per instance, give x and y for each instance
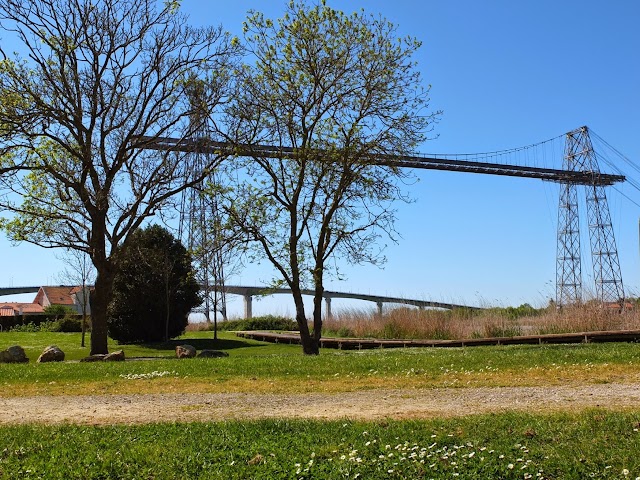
(70, 324)
(154, 288)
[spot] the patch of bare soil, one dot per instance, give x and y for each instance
(359, 405)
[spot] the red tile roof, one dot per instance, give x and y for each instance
(62, 295)
(8, 309)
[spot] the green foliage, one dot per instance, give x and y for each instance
(58, 310)
(70, 324)
(32, 327)
(86, 82)
(344, 332)
(594, 444)
(49, 323)
(154, 288)
(66, 325)
(513, 313)
(266, 322)
(493, 330)
(336, 89)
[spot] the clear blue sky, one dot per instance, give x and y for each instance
(506, 74)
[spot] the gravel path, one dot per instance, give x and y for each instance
(360, 405)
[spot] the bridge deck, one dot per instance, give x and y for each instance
(253, 291)
(427, 162)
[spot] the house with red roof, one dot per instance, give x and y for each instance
(68, 296)
(10, 309)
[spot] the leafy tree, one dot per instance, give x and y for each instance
(97, 79)
(330, 92)
(79, 271)
(154, 289)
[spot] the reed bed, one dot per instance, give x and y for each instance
(412, 323)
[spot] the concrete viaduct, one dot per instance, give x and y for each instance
(249, 292)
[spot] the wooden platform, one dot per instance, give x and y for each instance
(369, 343)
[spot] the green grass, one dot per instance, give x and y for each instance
(593, 444)
(34, 344)
(255, 366)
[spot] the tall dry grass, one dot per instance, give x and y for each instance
(411, 323)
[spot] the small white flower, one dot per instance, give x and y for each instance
(510, 466)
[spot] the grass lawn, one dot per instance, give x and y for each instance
(592, 444)
(588, 444)
(259, 367)
(34, 343)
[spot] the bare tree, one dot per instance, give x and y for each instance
(98, 80)
(79, 272)
(329, 92)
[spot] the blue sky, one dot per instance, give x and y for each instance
(506, 74)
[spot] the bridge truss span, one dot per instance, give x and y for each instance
(580, 168)
(425, 162)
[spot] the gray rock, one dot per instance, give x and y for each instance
(212, 354)
(117, 356)
(94, 358)
(185, 351)
(51, 354)
(14, 354)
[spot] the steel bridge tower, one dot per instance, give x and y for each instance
(200, 223)
(579, 156)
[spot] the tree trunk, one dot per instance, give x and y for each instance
(318, 292)
(167, 317)
(309, 345)
(84, 313)
(317, 314)
(99, 299)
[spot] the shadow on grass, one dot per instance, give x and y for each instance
(203, 344)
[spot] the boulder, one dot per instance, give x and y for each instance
(185, 351)
(98, 357)
(51, 354)
(14, 354)
(212, 354)
(117, 356)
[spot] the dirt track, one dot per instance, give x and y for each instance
(360, 405)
